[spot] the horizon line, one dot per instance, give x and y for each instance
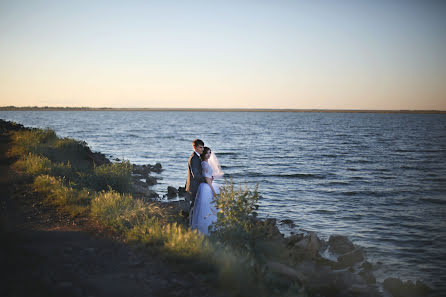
(84, 108)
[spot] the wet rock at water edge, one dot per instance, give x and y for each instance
(150, 180)
(143, 191)
(293, 239)
(171, 192)
(145, 169)
(368, 277)
(340, 244)
(398, 288)
(181, 191)
(351, 258)
(311, 244)
(157, 168)
(288, 222)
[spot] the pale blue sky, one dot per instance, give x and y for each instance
(224, 54)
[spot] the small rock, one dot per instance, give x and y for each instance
(150, 180)
(157, 168)
(351, 258)
(181, 191)
(339, 244)
(171, 192)
(310, 243)
(288, 222)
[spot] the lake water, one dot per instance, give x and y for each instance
(378, 178)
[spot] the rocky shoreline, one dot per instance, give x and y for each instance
(336, 265)
(347, 272)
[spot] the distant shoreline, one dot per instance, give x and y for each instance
(13, 108)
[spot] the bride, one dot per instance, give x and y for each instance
(205, 212)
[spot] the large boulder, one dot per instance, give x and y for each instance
(339, 244)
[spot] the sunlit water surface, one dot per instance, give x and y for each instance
(378, 178)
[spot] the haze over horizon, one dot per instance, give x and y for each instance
(380, 55)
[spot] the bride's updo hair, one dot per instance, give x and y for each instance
(205, 151)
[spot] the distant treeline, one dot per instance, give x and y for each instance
(37, 108)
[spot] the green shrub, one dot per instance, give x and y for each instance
(236, 216)
(32, 164)
(29, 141)
(65, 197)
(71, 145)
(120, 212)
(114, 175)
(173, 240)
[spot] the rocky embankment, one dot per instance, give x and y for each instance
(346, 272)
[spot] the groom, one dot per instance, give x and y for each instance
(194, 174)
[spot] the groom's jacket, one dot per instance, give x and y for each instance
(194, 174)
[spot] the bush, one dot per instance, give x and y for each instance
(236, 216)
(173, 240)
(65, 197)
(114, 175)
(30, 141)
(63, 170)
(120, 212)
(32, 164)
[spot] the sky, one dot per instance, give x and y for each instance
(381, 54)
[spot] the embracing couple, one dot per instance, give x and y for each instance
(203, 168)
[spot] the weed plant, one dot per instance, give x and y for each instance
(59, 194)
(114, 175)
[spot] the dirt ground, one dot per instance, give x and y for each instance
(45, 253)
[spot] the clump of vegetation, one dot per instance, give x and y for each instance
(114, 175)
(32, 164)
(62, 195)
(30, 141)
(42, 152)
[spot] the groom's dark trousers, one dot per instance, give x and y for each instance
(194, 177)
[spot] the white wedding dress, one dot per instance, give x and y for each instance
(205, 212)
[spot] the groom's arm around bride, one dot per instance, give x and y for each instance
(194, 174)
